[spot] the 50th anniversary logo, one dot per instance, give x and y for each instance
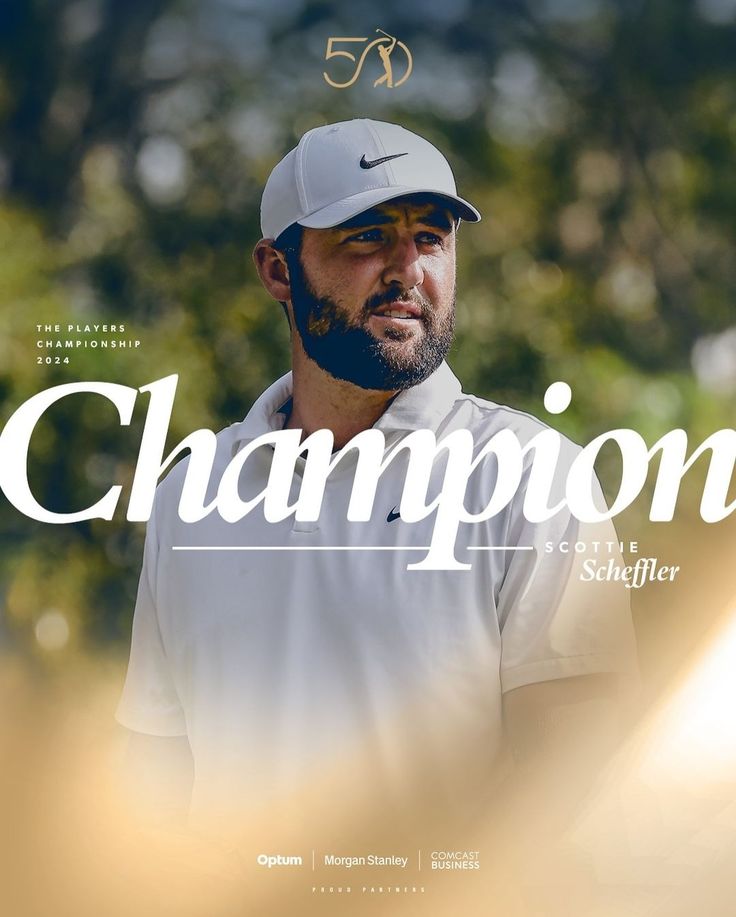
(390, 50)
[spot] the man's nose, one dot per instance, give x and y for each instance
(404, 265)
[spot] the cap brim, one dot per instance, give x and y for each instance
(334, 214)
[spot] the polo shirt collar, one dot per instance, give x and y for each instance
(421, 407)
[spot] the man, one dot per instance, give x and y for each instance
(385, 55)
(319, 649)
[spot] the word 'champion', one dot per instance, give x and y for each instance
(537, 459)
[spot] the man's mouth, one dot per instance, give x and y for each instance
(399, 310)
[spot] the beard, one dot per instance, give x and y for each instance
(343, 346)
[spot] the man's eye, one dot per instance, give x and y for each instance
(429, 238)
(367, 235)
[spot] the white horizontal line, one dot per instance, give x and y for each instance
(300, 547)
(296, 547)
(514, 547)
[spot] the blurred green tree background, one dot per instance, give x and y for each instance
(597, 137)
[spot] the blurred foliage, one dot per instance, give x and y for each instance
(596, 137)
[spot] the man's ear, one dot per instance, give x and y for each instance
(272, 269)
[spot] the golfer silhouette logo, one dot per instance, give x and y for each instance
(386, 46)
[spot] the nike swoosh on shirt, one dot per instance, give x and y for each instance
(372, 163)
(393, 515)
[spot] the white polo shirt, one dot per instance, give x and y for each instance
(275, 663)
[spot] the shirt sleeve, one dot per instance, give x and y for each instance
(149, 702)
(556, 620)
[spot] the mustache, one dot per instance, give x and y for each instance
(381, 299)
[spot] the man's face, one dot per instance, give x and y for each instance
(374, 298)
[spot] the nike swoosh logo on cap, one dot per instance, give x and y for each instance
(394, 514)
(372, 163)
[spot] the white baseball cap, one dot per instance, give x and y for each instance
(339, 170)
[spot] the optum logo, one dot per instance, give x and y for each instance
(263, 859)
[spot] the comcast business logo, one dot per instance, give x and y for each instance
(395, 58)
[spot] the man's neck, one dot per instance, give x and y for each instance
(321, 402)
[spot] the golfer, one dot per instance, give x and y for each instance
(286, 648)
